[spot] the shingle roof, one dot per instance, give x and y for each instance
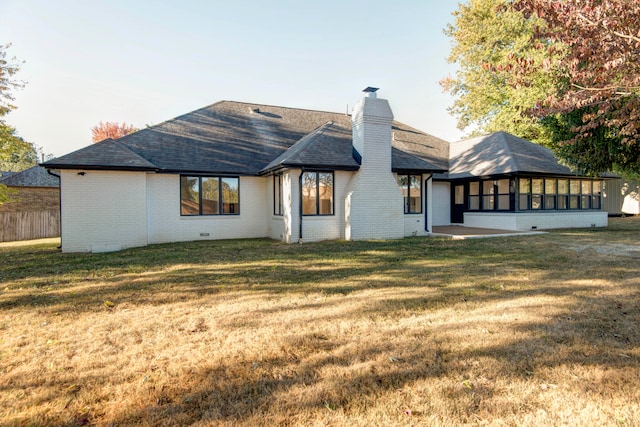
(502, 153)
(327, 146)
(247, 139)
(35, 176)
(107, 154)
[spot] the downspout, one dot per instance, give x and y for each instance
(59, 202)
(426, 201)
(300, 205)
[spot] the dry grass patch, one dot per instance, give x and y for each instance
(506, 331)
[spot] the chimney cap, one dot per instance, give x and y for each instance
(370, 89)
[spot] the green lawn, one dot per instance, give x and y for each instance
(535, 330)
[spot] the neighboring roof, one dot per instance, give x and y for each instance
(35, 176)
(502, 153)
(248, 139)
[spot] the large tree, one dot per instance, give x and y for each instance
(598, 94)
(113, 130)
(560, 73)
(490, 40)
(15, 153)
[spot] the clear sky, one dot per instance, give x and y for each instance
(143, 62)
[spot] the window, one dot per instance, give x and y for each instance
(536, 193)
(277, 195)
(488, 199)
(550, 193)
(574, 194)
(563, 194)
(585, 203)
(317, 193)
(209, 195)
(525, 194)
(474, 196)
(559, 194)
(411, 187)
(496, 195)
(596, 198)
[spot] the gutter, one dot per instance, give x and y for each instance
(59, 202)
(300, 205)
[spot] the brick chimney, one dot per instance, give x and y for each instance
(374, 201)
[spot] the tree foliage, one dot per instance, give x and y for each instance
(15, 153)
(113, 130)
(561, 73)
(491, 41)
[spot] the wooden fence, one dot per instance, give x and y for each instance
(29, 225)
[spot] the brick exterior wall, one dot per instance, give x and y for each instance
(524, 221)
(165, 224)
(373, 200)
(103, 210)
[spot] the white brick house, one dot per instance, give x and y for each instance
(237, 170)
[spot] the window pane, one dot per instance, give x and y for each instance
(525, 186)
(487, 187)
(503, 186)
(586, 202)
(277, 194)
(563, 202)
(563, 186)
(459, 195)
(536, 201)
(524, 202)
(550, 186)
(574, 186)
(309, 185)
(474, 188)
(230, 196)
(595, 202)
(189, 195)
(210, 196)
(474, 203)
(415, 199)
(549, 202)
(503, 202)
(597, 187)
(574, 202)
(326, 193)
(536, 186)
(488, 203)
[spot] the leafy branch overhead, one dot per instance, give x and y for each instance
(565, 74)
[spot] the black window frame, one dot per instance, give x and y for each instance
(278, 209)
(566, 194)
(406, 199)
(221, 199)
(318, 209)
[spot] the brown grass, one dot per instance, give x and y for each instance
(540, 330)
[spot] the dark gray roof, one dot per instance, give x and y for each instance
(107, 154)
(248, 139)
(35, 176)
(502, 153)
(328, 146)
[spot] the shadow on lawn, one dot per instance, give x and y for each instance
(296, 382)
(591, 330)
